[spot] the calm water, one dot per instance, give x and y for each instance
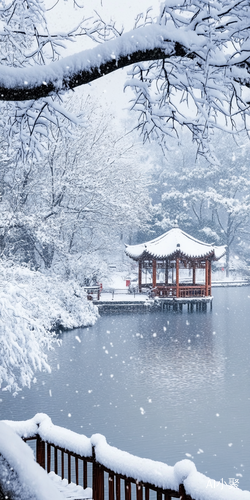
(163, 385)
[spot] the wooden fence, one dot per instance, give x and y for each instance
(189, 291)
(87, 472)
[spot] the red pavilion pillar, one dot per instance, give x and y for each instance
(194, 278)
(154, 273)
(210, 276)
(206, 277)
(139, 275)
(166, 273)
(177, 277)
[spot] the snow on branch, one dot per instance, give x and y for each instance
(190, 67)
(144, 44)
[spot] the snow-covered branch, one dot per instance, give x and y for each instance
(144, 44)
(190, 67)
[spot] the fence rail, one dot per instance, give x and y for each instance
(183, 291)
(106, 484)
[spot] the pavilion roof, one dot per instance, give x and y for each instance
(173, 243)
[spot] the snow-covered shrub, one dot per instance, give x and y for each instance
(32, 307)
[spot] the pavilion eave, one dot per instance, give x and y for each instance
(175, 244)
(177, 254)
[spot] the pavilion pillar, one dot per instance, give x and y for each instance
(210, 275)
(177, 277)
(166, 273)
(154, 273)
(139, 275)
(194, 277)
(206, 277)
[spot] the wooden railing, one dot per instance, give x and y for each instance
(188, 291)
(68, 465)
(165, 291)
(93, 292)
(194, 291)
(106, 484)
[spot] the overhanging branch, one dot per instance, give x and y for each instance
(71, 79)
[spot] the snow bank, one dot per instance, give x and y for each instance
(32, 305)
(198, 486)
(70, 490)
(31, 480)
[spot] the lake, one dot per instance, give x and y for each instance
(164, 385)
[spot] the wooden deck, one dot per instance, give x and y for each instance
(120, 301)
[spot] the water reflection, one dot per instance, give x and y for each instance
(163, 385)
(182, 356)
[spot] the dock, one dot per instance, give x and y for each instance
(192, 303)
(120, 300)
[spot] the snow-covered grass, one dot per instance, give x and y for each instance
(32, 307)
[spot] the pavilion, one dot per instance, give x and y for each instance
(171, 264)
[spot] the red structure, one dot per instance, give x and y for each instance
(171, 264)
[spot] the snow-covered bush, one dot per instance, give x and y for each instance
(32, 307)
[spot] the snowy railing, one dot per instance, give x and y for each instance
(114, 474)
(67, 464)
(184, 291)
(194, 291)
(88, 472)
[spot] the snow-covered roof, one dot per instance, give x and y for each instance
(172, 243)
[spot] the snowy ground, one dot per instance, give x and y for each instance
(123, 296)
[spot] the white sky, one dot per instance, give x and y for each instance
(108, 90)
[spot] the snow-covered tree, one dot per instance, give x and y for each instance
(88, 189)
(210, 201)
(191, 67)
(33, 307)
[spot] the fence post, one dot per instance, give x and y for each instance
(182, 492)
(117, 487)
(40, 452)
(127, 485)
(111, 486)
(139, 492)
(98, 479)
